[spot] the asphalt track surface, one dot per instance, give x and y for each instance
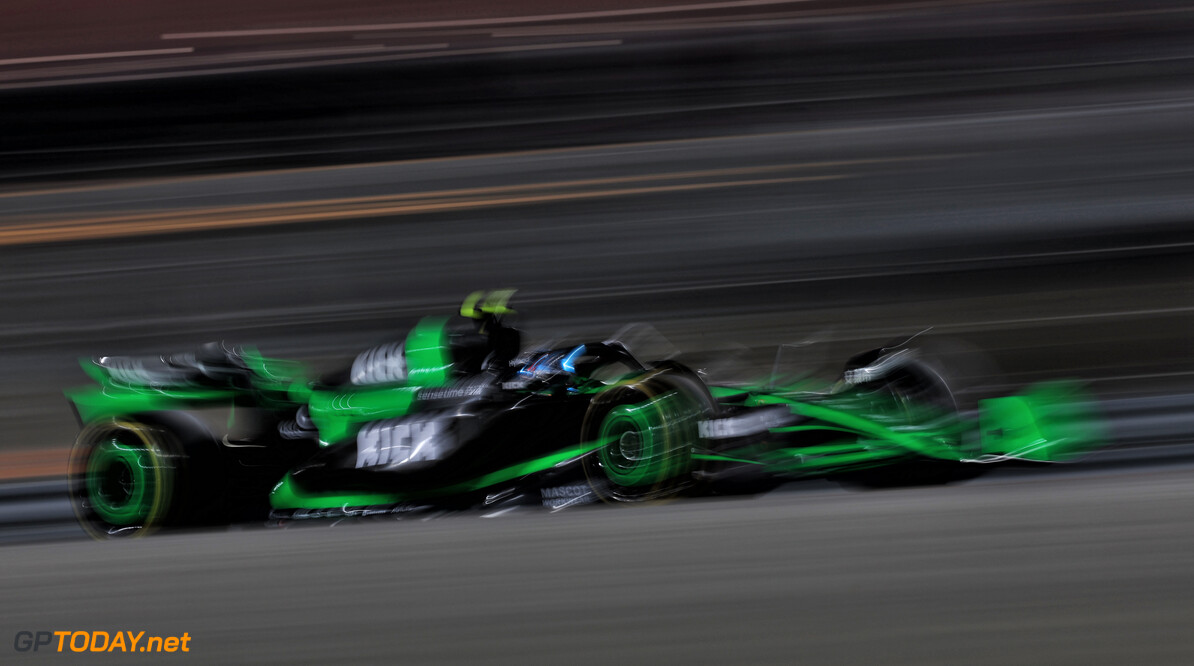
(1056, 569)
(1015, 175)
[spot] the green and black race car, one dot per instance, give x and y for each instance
(454, 417)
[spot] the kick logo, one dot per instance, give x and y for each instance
(389, 444)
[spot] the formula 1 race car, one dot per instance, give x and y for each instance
(461, 416)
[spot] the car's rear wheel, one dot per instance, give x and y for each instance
(124, 478)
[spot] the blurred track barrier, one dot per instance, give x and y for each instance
(35, 503)
(34, 463)
(1150, 419)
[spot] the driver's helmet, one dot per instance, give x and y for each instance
(489, 311)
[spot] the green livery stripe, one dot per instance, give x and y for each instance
(799, 462)
(286, 495)
(812, 428)
(716, 458)
(109, 400)
(921, 444)
(522, 469)
(427, 355)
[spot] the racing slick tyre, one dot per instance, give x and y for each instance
(129, 479)
(646, 429)
(911, 396)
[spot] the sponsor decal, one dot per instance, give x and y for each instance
(99, 641)
(349, 512)
(754, 422)
(459, 392)
(385, 364)
(559, 497)
(880, 368)
(396, 442)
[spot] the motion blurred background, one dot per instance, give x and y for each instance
(312, 176)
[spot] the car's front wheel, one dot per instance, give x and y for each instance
(915, 398)
(644, 432)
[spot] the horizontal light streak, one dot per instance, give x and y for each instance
(215, 59)
(159, 222)
(95, 56)
(497, 20)
(197, 68)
